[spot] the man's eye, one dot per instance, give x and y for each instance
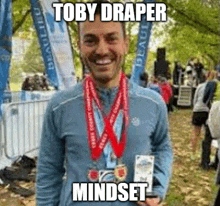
(112, 39)
(89, 41)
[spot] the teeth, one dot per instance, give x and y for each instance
(103, 61)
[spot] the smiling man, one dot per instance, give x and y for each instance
(102, 49)
(94, 131)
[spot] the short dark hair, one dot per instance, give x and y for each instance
(98, 12)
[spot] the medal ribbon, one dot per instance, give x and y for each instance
(97, 145)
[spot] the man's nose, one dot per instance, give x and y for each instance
(102, 47)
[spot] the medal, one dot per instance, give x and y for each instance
(97, 145)
(121, 172)
(93, 175)
(106, 176)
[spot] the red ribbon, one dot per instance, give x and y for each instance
(97, 145)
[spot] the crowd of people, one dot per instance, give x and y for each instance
(207, 91)
(35, 83)
(162, 86)
(192, 75)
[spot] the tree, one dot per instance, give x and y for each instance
(33, 61)
(21, 15)
(193, 30)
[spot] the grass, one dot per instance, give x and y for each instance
(190, 185)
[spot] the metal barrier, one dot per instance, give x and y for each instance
(15, 96)
(1, 140)
(19, 96)
(22, 125)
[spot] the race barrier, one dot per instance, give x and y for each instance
(36, 95)
(21, 127)
(26, 96)
(1, 140)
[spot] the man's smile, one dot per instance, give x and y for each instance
(103, 62)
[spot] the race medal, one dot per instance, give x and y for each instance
(97, 145)
(93, 175)
(106, 176)
(121, 172)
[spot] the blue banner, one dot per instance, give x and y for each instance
(60, 45)
(5, 45)
(142, 47)
(44, 40)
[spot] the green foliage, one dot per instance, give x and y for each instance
(29, 62)
(33, 61)
(16, 74)
(22, 20)
(23, 26)
(151, 57)
(129, 59)
(192, 31)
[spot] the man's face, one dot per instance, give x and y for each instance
(102, 47)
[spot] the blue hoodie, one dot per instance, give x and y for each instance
(64, 139)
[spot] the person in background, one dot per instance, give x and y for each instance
(217, 199)
(166, 90)
(153, 84)
(211, 93)
(189, 73)
(199, 68)
(178, 73)
(199, 118)
(27, 84)
(170, 105)
(37, 83)
(44, 82)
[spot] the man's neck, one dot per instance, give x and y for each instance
(110, 84)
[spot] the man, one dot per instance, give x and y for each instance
(75, 118)
(178, 74)
(199, 68)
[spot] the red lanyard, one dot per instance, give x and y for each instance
(97, 145)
